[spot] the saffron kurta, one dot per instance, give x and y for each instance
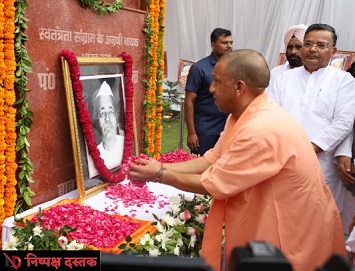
(267, 184)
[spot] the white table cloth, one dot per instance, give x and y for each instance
(350, 242)
(101, 203)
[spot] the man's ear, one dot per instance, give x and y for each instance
(240, 86)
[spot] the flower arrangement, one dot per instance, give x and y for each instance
(99, 230)
(179, 232)
(34, 237)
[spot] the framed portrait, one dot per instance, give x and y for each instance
(183, 70)
(97, 109)
(341, 59)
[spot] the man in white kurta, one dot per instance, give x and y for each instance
(322, 99)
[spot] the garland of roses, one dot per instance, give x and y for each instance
(85, 119)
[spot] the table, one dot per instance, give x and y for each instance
(101, 203)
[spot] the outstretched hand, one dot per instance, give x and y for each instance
(143, 169)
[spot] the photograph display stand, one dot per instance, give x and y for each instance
(83, 78)
(183, 70)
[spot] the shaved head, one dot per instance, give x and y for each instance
(247, 65)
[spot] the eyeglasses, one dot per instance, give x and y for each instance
(319, 45)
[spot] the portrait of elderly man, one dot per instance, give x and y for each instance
(111, 135)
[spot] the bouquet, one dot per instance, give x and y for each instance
(179, 232)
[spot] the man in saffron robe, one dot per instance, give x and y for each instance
(263, 174)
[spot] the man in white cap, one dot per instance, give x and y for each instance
(293, 43)
(105, 113)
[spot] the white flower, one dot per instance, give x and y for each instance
(74, 246)
(164, 237)
(154, 252)
(199, 196)
(192, 241)
(37, 230)
(174, 208)
(9, 246)
(177, 250)
(144, 239)
(160, 227)
(180, 243)
(29, 246)
(12, 244)
(188, 199)
(178, 221)
(169, 220)
(62, 241)
(176, 200)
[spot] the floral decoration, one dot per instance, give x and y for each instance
(153, 102)
(8, 165)
(179, 232)
(99, 229)
(34, 237)
(85, 120)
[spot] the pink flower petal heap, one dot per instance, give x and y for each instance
(92, 227)
(176, 156)
(131, 195)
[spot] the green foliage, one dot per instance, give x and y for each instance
(24, 114)
(101, 7)
(171, 95)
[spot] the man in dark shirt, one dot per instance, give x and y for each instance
(203, 119)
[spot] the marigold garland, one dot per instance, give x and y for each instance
(154, 76)
(86, 123)
(8, 193)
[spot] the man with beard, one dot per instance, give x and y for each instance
(322, 99)
(293, 43)
(105, 113)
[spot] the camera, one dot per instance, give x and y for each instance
(263, 256)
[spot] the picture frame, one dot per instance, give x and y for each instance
(98, 79)
(341, 59)
(183, 71)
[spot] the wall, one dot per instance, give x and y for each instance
(255, 24)
(53, 26)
